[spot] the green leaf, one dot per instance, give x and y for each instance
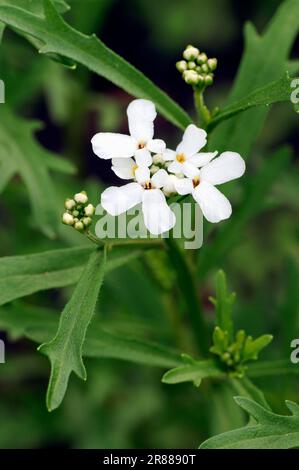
(20, 153)
(272, 431)
(256, 190)
(278, 90)
(265, 56)
(193, 373)
(245, 387)
(25, 275)
(224, 302)
(253, 347)
(40, 325)
(58, 38)
(65, 349)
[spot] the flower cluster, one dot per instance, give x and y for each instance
(158, 172)
(196, 68)
(78, 212)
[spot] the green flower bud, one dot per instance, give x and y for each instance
(212, 64)
(190, 53)
(198, 69)
(158, 159)
(181, 65)
(205, 68)
(67, 219)
(202, 58)
(75, 213)
(86, 221)
(79, 226)
(190, 77)
(154, 169)
(208, 80)
(69, 204)
(89, 210)
(81, 198)
(191, 65)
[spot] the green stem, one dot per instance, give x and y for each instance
(203, 112)
(111, 242)
(187, 287)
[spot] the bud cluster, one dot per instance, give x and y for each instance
(196, 68)
(79, 212)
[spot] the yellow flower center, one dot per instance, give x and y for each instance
(141, 145)
(181, 158)
(148, 185)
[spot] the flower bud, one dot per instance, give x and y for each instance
(75, 213)
(158, 159)
(191, 65)
(181, 65)
(190, 77)
(89, 210)
(169, 186)
(212, 64)
(205, 68)
(81, 198)
(208, 80)
(202, 58)
(154, 169)
(190, 53)
(86, 221)
(69, 204)
(67, 219)
(79, 226)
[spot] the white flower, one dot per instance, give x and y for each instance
(139, 144)
(186, 156)
(158, 217)
(169, 188)
(201, 184)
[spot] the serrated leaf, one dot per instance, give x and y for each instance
(273, 92)
(24, 275)
(272, 431)
(193, 373)
(65, 349)
(265, 56)
(61, 39)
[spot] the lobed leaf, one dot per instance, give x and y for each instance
(193, 373)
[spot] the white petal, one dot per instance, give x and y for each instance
(169, 185)
(194, 139)
(190, 170)
(169, 155)
(141, 116)
(156, 145)
(123, 167)
(214, 205)
(184, 186)
(159, 178)
(108, 145)
(143, 157)
(118, 200)
(142, 174)
(228, 166)
(201, 159)
(175, 167)
(158, 217)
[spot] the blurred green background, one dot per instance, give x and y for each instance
(125, 405)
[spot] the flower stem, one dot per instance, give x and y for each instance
(203, 112)
(112, 242)
(187, 287)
